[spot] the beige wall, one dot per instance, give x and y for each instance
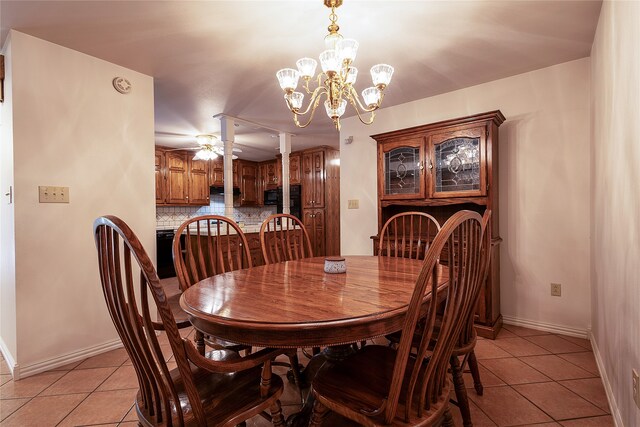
(71, 128)
(615, 184)
(7, 238)
(544, 186)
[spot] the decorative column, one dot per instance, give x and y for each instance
(285, 150)
(227, 136)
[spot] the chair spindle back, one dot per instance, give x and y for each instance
(407, 235)
(284, 238)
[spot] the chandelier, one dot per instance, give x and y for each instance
(335, 81)
(210, 148)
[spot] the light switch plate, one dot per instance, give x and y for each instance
(556, 290)
(51, 194)
(353, 204)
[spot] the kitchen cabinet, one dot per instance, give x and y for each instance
(294, 169)
(216, 173)
(313, 220)
(180, 180)
(320, 181)
(313, 179)
(198, 182)
(442, 168)
(271, 176)
(248, 183)
(160, 192)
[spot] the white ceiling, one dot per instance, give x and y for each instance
(220, 57)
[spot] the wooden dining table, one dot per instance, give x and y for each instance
(295, 304)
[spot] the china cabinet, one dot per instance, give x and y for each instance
(441, 168)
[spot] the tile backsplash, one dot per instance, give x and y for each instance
(172, 216)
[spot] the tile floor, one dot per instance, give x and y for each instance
(530, 378)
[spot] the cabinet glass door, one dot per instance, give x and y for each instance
(402, 169)
(457, 164)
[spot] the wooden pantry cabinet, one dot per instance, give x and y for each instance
(441, 168)
(320, 180)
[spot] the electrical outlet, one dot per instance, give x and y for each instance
(49, 194)
(556, 289)
(353, 204)
(636, 387)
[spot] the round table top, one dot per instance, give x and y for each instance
(297, 304)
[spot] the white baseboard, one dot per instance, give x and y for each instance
(8, 358)
(56, 362)
(615, 412)
(547, 327)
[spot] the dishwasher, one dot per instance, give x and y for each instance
(164, 256)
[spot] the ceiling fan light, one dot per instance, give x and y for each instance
(330, 61)
(371, 96)
(347, 49)
(307, 67)
(205, 154)
(204, 139)
(335, 112)
(381, 75)
(288, 78)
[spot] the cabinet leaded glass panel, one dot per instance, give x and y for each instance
(457, 163)
(402, 172)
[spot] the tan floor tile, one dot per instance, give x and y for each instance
(9, 406)
(556, 368)
(44, 411)
(605, 421)
(291, 394)
(513, 371)
(505, 333)
(520, 347)
(79, 381)
(558, 401)
(132, 415)
(586, 344)
(590, 389)
(68, 367)
(524, 332)
(5, 379)
(128, 423)
(478, 418)
(505, 407)
(585, 360)
(123, 378)
(30, 386)
(101, 407)
(4, 368)
(487, 378)
(487, 349)
(555, 344)
(105, 360)
(553, 424)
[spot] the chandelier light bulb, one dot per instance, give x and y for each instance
(371, 96)
(288, 78)
(307, 67)
(335, 113)
(347, 49)
(330, 61)
(295, 99)
(352, 75)
(331, 40)
(381, 75)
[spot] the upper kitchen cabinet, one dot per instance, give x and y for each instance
(271, 176)
(216, 173)
(295, 171)
(180, 180)
(313, 179)
(248, 183)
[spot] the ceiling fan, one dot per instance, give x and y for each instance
(209, 148)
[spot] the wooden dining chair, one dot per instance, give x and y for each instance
(219, 389)
(204, 246)
(466, 343)
(283, 237)
(380, 385)
(407, 235)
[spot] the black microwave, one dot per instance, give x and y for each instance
(271, 197)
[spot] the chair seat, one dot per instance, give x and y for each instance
(224, 396)
(361, 383)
